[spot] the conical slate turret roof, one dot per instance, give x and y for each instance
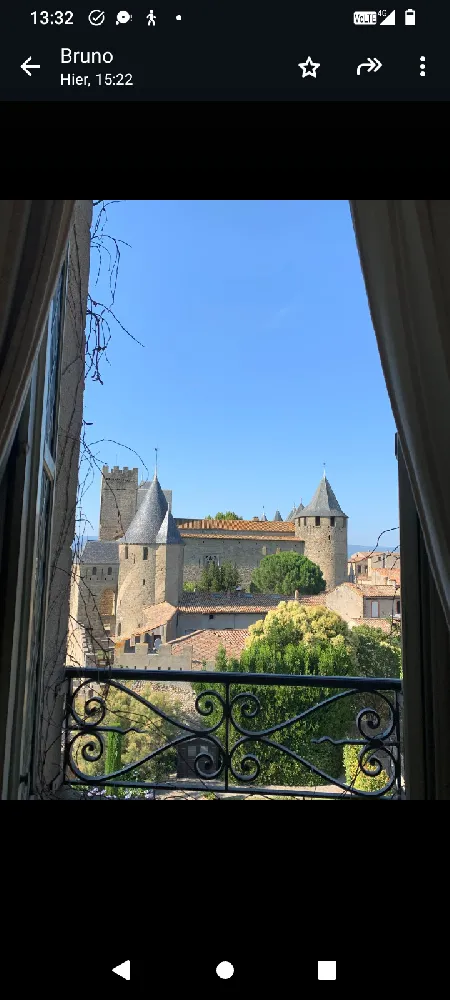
(168, 533)
(291, 514)
(323, 503)
(148, 517)
(277, 516)
(298, 511)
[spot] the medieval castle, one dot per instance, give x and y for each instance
(144, 555)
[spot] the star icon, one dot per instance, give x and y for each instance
(309, 68)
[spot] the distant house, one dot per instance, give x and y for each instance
(204, 645)
(228, 611)
(364, 565)
(364, 601)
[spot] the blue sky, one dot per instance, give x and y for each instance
(259, 361)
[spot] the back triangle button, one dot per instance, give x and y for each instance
(123, 970)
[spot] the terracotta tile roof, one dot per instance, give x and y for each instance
(257, 537)
(205, 643)
(277, 527)
(153, 617)
(391, 574)
(204, 603)
(378, 589)
(357, 556)
(385, 624)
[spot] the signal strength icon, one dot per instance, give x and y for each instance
(390, 19)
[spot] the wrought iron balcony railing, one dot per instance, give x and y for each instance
(210, 732)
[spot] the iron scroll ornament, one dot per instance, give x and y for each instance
(93, 750)
(234, 714)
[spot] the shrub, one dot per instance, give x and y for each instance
(355, 777)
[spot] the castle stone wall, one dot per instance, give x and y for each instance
(247, 554)
(117, 501)
(93, 596)
(169, 573)
(133, 593)
(326, 546)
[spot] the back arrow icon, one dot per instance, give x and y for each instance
(27, 66)
(371, 64)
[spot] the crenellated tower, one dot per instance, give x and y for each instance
(117, 501)
(137, 561)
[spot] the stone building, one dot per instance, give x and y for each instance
(150, 561)
(364, 601)
(207, 619)
(322, 526)
(44, 275)
(115, 579)
(121, 496)
(93, 598)
(244, 543)
(144, 556)
(372, 566)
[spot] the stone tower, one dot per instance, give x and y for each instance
(169, 562)
(322, 525)
(137, 561)
(117, 502)
(142, 493)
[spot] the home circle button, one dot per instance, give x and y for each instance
(225, 970)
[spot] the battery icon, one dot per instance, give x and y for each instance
(410, 17)
(365, 17)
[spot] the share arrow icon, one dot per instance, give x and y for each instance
(372, 64)
(123, 970)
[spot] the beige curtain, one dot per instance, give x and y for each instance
(404, 247)
(33, 239)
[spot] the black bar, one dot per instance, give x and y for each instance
(103, 674)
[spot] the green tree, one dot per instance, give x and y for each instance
(189, 586)
(286, 572)
(113, 756)
(379, 654)
(219, 578)
(293, 623)
(355, 777)
(148, 732)
(299, 639)
(220, 516)
(221, 659)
